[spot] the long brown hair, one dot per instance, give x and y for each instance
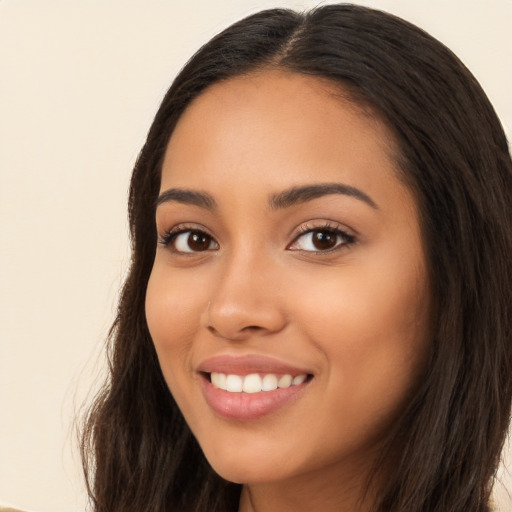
(139, 455)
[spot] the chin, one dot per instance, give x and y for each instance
(241, 474)
(243, 468)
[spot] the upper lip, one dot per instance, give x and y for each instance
(243, 365)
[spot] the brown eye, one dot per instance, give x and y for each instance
(321, 240)
(324, 240)
(194, 241)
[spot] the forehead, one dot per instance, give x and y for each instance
(279, 127)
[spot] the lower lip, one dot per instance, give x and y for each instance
(249, 406)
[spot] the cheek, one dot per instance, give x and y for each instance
(173, 310)
(371, 326)
(364, 310)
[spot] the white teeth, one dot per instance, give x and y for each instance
(269, 382)
(234, 383)
(285, 381)
(298, 380)
(254, 383)
(219, 380)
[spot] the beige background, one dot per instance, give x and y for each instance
(79, 83)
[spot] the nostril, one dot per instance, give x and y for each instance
(249, 328)
(238, 333)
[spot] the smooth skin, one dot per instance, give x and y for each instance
(334, 282)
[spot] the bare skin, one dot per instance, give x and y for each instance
(286, 235)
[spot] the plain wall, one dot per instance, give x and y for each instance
(79, 83)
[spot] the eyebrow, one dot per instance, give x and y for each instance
(193, 197)
(297, 195)
(285, 199)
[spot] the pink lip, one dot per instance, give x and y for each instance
(248, 406)
(244, 365)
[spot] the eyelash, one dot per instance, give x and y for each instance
(346, 239)
(170, 236)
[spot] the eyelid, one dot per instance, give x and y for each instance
(169, 235)
(348, 236)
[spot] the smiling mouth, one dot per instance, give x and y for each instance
(250, 396)
(252, 386)
(254, 382)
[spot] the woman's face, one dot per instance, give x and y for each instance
(289, 255)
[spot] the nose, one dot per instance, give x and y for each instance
(246, 300)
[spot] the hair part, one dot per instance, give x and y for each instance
(138, 452)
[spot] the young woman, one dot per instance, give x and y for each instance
(318, 311)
